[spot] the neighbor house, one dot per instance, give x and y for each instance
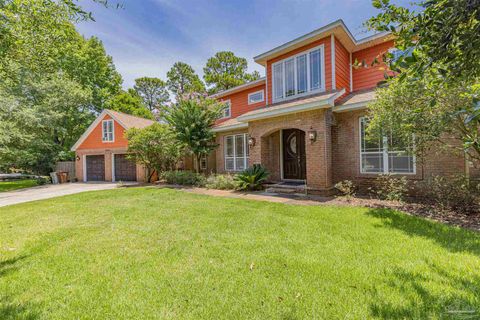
(305, 120)
(101, 150)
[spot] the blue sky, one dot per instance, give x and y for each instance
(146, 37)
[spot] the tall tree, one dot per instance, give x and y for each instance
(153, 92)
(225, 70)
(192, 120)
(183, 80)
(131, 103)
(435, 93)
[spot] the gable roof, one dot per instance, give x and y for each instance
(337, 28)
(127, 121)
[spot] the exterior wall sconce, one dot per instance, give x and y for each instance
(312, 136)
(251, 142)
(78, 158)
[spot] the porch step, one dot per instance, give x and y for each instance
(283, 188)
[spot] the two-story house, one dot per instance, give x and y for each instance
(305, 122)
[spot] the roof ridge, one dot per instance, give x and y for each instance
(129, 115)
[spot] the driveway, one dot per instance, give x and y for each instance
(50, 191)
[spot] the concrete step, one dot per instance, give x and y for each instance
(286, 189)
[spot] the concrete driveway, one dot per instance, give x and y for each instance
(50, 191)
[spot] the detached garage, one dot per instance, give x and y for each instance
(101, 152)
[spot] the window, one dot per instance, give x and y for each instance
(299, 74)
(383, 155)
(255, 97)
(397, 53)
(203, 162)
(227, 110)
(236, 152)
(107, 131)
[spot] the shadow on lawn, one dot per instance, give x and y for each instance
(452, 239)
(439, 294)
(9, 309)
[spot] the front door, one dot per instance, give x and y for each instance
(294, 157)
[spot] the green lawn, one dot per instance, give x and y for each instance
(148, 253)
(16, 184)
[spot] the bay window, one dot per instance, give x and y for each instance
(236, 152)
(299, 74)
(384, 154)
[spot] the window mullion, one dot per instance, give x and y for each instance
(295, 77)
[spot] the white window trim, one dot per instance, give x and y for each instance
(245, 146)
(113, 131)
(251, 94)
(294, 57)
(229, 109)
(385, 152)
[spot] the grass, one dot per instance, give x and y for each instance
(17, 184)
(148, 253)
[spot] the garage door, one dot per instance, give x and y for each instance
(125, 170)
(96, 168)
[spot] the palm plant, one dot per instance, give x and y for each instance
(252, 178)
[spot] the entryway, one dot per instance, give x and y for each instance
(294, 155)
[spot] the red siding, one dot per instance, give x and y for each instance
(328, 63)
(94, 139)
(342, 67)
(365, 78)
(239, 101)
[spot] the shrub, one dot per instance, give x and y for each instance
(252, 178)
(221, 182)
(455, 193)
(185, 178)
(346, 187)
(41, 180)
(388, 187)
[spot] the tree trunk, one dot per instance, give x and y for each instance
(197, 164)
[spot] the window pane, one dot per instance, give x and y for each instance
(400, 162)
(315, 70)
(229, 162)
(302, 74)
(239, 145)
(247, 145)
(226, 110)
(369, 144)
(240, 164)
(372, 162)
(278, 81)
(290, 77)
(256, 97)
(229, 152)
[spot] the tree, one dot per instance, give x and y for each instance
(192, 120)
(225, 70)
(182, 80)
(153, 92)
(434, 94)
(129, 102)
(155, 147)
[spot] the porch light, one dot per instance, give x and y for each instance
(251, 141)
(312, 136)
(78, 158)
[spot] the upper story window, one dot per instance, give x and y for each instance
(384, 154)
(301, 74)
(397, 53)
(227, 110)
(107, 131)
(256, 97)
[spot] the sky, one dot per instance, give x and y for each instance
(146, 37)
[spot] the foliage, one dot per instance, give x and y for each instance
(455, 193)
(129, 102)
(41, 180)
(184, 178)
(192, 120)
(153, 92)
(221, 182)
(252, 178)
(225, 70)
(391, 188)
(155, 147)
(38, 128)
(183, 80)
(346, 187)
(53, 81)
(436, 91)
